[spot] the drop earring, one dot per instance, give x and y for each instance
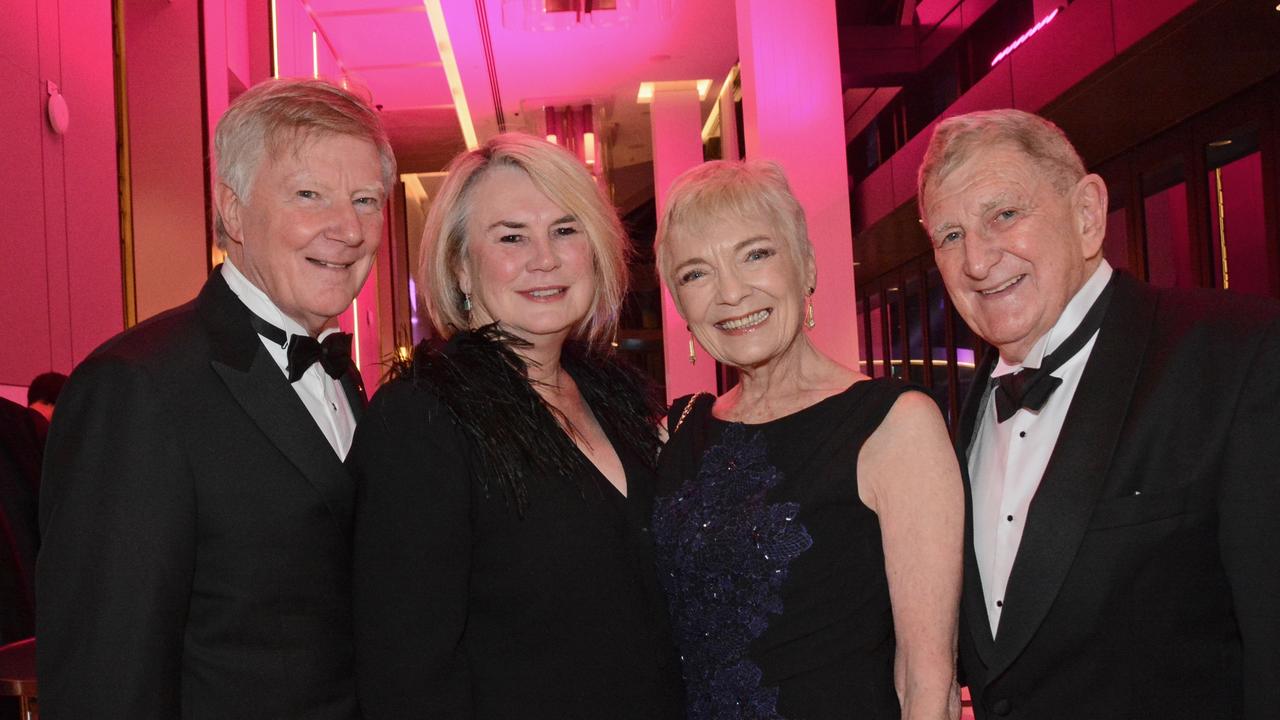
(808, 315)
(693, 357)
(466, 302)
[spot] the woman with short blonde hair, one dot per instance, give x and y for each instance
(808, 522)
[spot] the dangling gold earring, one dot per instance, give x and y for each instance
(808, 316)
(693, 357)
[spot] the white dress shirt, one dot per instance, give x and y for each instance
(1008, 459)
(322, 395)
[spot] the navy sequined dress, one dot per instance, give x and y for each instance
(773, 567)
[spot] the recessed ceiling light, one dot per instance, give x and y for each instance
(649, 87)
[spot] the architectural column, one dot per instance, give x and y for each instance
(167, 151)
(675, 116)
(793, 114)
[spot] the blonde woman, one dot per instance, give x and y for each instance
(502, 561)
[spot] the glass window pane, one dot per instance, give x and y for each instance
(1168, 233)
(864, 352)
(1115, 247)
(966, 356)
(938, 339)
(893, 308)
(914, 298)
(1237, 216)
(875, 354)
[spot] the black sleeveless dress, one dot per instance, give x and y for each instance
(773, 567)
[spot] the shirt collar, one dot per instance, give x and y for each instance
(260, 304)
(1068, 321)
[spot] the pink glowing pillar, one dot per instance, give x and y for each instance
(793, 114)
(675, 117)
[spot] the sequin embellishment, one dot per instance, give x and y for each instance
(723, 553)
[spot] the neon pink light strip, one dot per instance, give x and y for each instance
(1025, 37)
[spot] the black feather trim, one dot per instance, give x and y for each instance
(516, 438)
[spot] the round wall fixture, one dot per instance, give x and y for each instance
(59, 115)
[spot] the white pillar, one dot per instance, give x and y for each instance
(793, 114)
(675, 117)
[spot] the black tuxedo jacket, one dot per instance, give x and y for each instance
(1147, 582)
(196, 530)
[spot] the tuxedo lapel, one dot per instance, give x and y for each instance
(975, 606)
(261, 389)
(353, 386)
(1069, 490)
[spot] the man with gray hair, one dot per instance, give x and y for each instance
(196, 515)
(1123, 474)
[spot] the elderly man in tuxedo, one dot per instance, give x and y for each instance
(1124, 473)
(196, 515)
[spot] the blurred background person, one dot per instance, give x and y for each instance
(42, 394)
(808, 521)
(22, 438)
(502, 563)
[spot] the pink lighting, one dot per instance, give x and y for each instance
(1025, 37)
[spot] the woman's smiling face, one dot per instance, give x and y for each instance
(737, 284)
(527, 263)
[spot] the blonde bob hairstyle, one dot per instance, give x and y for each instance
(280, 115)
(721, 190)
(959, 138)
(565, 181)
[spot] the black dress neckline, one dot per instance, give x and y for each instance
(791, 416)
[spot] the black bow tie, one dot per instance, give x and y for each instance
(333, 354)
(1031, 388)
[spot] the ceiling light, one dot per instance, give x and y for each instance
(713, 118)
(1025, 37)
(435, 14)
(649, 87)
(275, 43)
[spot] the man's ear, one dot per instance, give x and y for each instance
(1089, 208)
(228, 207)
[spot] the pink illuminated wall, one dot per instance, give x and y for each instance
(167, 151)
(60, 290)
(1169, 238)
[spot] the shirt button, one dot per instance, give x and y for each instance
(1009, 518)
(333, 406)
(1022, 434)
(999, 603)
